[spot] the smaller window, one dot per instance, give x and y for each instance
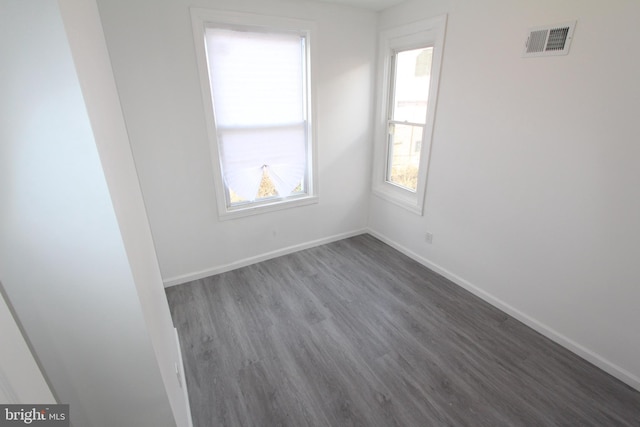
(408, 98)
(410, 58)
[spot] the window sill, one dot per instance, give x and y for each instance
(256, 209)
(399, 197)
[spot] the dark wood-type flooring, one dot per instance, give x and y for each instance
(355, 333)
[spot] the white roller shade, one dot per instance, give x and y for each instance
(257, 86)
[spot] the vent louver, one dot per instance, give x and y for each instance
(549, 40)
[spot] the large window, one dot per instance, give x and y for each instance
(257, 88)
(410, 58)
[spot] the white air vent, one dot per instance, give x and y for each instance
(549, 40)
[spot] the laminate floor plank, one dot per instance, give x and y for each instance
(354, 333)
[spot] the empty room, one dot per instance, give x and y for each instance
(321, 213)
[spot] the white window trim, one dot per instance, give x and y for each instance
(428, 32)
(202, 17)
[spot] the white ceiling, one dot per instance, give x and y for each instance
(366, 4)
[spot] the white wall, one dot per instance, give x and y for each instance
(532, 195)
(21, 380)
(62, 259)
(89, 50)
(152, 52)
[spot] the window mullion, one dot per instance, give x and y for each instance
(404, 122)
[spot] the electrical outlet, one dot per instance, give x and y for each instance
(428, 237)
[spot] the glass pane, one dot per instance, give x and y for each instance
(257, 79)
(249, 154)
(405, 143)
(258, 92)
(265, 190)
(411, 78)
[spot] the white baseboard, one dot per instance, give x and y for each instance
(172, 281)
(594, 358)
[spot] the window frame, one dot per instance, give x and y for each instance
(205, 18)
(419, 34)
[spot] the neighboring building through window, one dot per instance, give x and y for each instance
(408, 94)
(255, 73)
(410, 58)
